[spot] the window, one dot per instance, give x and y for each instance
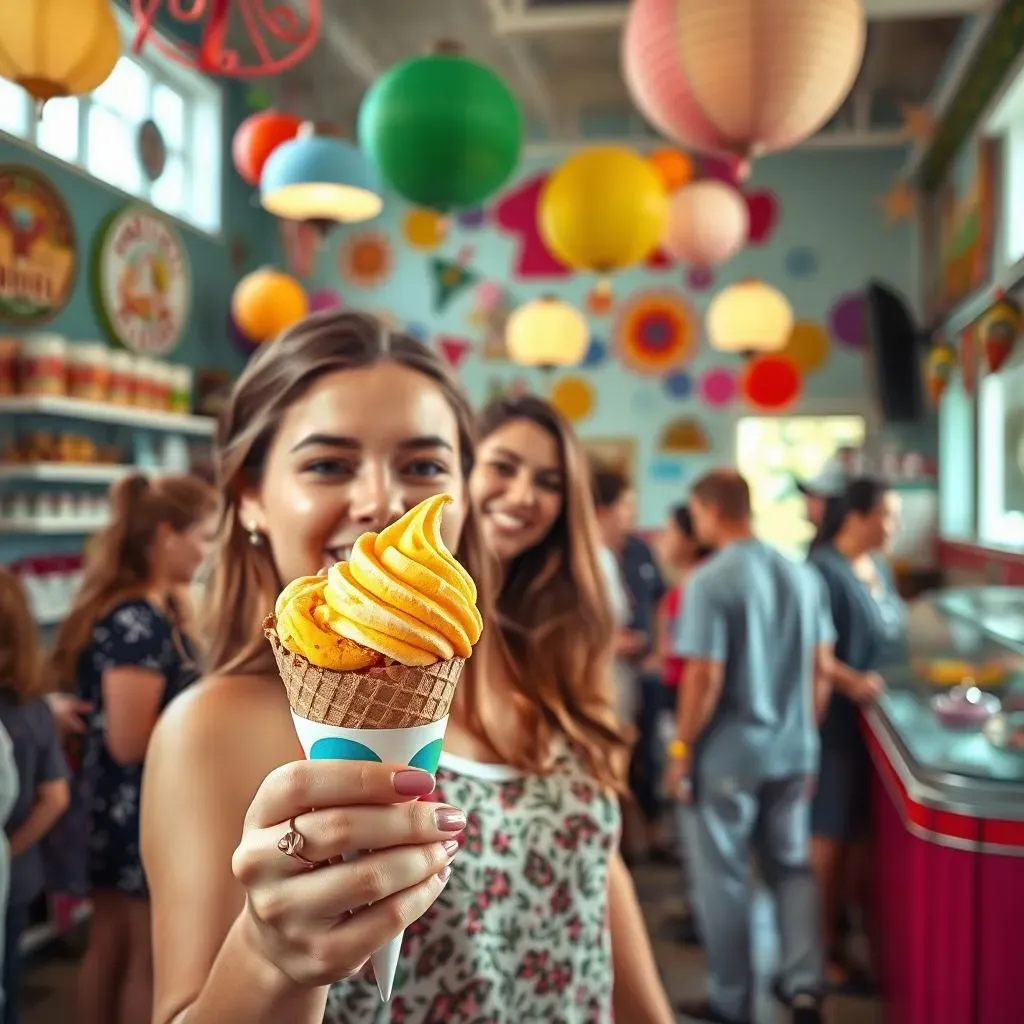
(1001, 452)
(101, 133)
(773, 452)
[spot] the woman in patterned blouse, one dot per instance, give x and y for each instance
(335, 429)
(122, 649)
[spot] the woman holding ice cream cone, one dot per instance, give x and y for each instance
(334, 432)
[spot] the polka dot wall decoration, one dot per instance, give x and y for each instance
(472, 219)
(597, 353)
(801, 262)
(717, 387)
(847, 320)
(679, 385)
(700, 279)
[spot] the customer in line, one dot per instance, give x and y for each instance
(757, 637)
(123, 650)
(638, 667)
(43, 793)
(858, 528)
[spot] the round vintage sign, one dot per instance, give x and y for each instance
(38, 250)
(142, 281)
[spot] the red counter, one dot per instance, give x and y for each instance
(950, 890)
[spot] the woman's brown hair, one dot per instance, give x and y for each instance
(118, 565)
(19, 640)
(554, 621)
(244, 582)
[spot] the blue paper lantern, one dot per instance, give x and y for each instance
(320, 178)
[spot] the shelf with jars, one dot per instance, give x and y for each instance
(46, 375)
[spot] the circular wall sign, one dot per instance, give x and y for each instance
(38, 250)
(152, 150)
(142, 281)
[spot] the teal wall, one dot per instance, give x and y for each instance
(205, 342)
(830, 237)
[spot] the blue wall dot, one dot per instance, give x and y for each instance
(679, 384)
(801, 262)
(597, 353)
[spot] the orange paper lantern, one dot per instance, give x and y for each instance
(770, 382)
(267, 302)
(674, 167)
(708, 223)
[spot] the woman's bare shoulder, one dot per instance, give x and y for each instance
(238, 724)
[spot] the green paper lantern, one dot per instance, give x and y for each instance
(444, 131)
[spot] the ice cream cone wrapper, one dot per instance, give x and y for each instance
(392, 714)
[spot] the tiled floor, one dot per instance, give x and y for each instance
(48, 986)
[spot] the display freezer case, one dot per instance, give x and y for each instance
(947, 744)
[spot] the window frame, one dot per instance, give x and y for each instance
(997, 527)
(203, 203)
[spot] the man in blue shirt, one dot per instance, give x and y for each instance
(757, 634)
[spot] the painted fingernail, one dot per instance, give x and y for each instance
(449, 819)
(413, 783)
(445, 873)
(450, 847)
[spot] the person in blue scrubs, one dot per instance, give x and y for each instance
(870, 622)
(757, 635)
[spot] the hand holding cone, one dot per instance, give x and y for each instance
(371, 654)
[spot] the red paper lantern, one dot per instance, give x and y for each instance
(771, 382)
(257, 137)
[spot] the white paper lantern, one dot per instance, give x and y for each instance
(750, 316)
(547, 332)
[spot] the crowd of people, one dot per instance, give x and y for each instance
(691, 702)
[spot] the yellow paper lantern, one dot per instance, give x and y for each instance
(547, 332)
(605, 208)
(267, 302)
(60, 47)
(749, 317)
(768, 75)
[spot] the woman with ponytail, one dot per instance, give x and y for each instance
(123, 650)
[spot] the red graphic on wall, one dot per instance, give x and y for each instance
(453, 350)
(763, 206)
(516, 213)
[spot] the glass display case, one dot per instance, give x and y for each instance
(954, 710)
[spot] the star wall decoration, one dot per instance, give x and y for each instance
(899, 203)
(918, 124)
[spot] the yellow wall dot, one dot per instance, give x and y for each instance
(573, 397)
(424, 229)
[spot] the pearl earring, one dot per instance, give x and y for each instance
(255, 537)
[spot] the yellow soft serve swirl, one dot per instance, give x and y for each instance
(402, 595)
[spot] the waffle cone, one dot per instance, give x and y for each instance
(387, 697)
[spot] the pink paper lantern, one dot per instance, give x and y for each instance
(708, 223)
(654, 77)
(768, 75)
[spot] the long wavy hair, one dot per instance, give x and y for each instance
(244, 582)
(19, 642)
(555, 625)
(118, 566)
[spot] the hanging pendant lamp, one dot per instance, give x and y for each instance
(320, 178)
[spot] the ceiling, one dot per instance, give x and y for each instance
(561, 58)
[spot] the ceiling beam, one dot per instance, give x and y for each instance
(514, 17)
(828, 140)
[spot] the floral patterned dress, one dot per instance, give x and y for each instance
(520, 933)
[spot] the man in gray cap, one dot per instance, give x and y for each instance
(828, 482)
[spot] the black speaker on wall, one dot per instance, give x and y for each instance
(895, 356)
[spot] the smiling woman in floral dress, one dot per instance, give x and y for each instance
(336, 428)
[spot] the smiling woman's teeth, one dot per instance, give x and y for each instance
(507, 522)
